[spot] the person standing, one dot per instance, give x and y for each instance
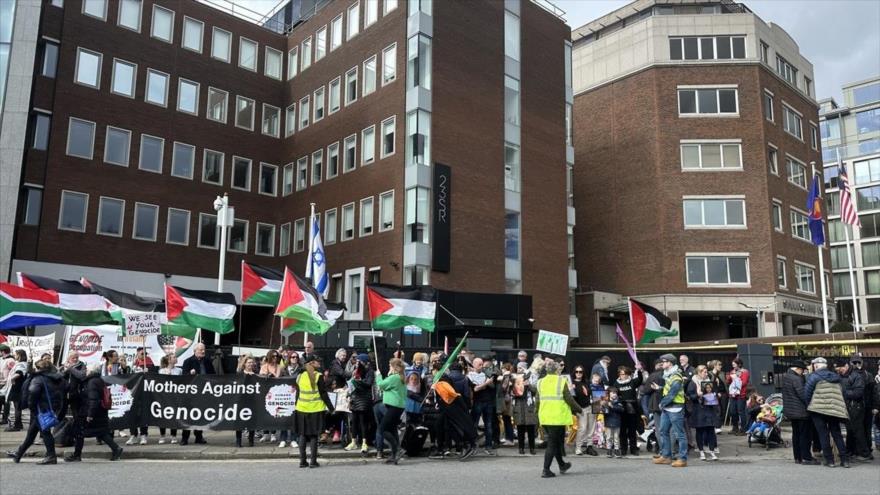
(245, 369)
(394, 398)
(586, 419)
(168, 366)
(852, 384)
(600, 367)
(653, 403)
(14, 389)
(672, 405)
(90, 418)
(484, 403)
(627, 389)
(197, 364)
(311, 402)
(796, 412)
(45, 393)
(555, 409)
(737, 385)
(827, 409)
(309, 354)
(524, 408)
(7, 362)
(362, 419)
(704, 418)
(74, 372)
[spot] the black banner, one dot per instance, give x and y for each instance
(442, 218)
(201, 402)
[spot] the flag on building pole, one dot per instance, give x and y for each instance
(316, 268)
(300, 301)
(817, 236)
(629, 348)
(260, 285)
(21, 307)
(393, 307)
(203, 309)
(648, 323)
(849, 216)
(79, 305)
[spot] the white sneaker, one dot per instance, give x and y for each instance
(273, 439)
(294, 445)
(173, 440)
(702, 456)
(264, 439)
(123, 433)
(282, 444)
(162, 440)
(714, 456)
(144, 440)
(716, 451)
(132, 441)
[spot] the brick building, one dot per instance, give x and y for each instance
(695, 131)
(430, 135)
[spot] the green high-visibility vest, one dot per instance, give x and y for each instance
(552, 409)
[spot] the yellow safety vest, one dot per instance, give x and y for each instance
(552, 409)
(679, 397)
(308, 400)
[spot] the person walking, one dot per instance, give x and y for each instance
(45, 393)
(197, 364)
(555, 409)
(704, 418)
(672, 405)
(394, 398)
(311, 402)
(91, 417)
(827, 409)
(738, 383)
(14, 390)
(796, 411)
(627, 389)
(852, 384)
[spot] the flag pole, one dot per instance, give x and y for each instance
(632, 328)
(852, 277)
(309, 274)
(821, 263)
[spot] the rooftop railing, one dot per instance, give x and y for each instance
(242, 12)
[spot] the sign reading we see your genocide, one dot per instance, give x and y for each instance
(143, 324)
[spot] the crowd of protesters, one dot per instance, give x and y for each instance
(672, 409)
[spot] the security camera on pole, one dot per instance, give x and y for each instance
(225, 219)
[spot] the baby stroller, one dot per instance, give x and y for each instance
(771, 433)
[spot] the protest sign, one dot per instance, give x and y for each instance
(553, 343)
(92, 342)
(143, 324)
(33, 346)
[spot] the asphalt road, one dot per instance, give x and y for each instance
(505, 475)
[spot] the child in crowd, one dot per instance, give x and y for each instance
(765, 420)
(612, 411)
(342, 414)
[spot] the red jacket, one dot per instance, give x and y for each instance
(744, 377)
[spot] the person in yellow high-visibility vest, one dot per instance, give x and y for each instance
(311, 402)
(555, 409)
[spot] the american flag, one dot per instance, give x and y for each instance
(848, 212)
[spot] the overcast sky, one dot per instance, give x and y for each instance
(840, 37)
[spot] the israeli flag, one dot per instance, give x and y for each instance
(316, 266)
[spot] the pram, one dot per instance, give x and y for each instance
(772, 434)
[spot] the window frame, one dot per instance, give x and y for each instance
(350, 138)
(305, 112)
(721, 143)
(241, 42)
(363, 159)
(282, 249)
(356, 89)
(247, 228)
(168, 226)
(727, 256)
(360, 228)
(315, 107)
(291, 168)
(724, 199)
(107, 131)
(776, 212)
(382, 227)
(253, 112)
(249, 174)
(140, 15)
(292, 62)
(786, 110)
(290, 130)
(717, 88)
(199, 243)
(100, 215)
(789, 160)
(161, 154)
(173, 161)
(277, 132)
(257, 239)
(302, 167)
(274, 192)
(321, 47)
(76, 80)
(338, 82)
(299, 224)
(794, 225)
(85, 212)
(337, 29)
(392, 46)
(393, 121)
(348, 207)
(783, 272)
(93, 16)
(180, 82)
(135, 216)
(365, 78)
(305, 52)
(214, 31)
(337, 147)
(319, 153)
(187, 19)
(91, 146)
(167, 77)
(349, 32)
(225, 105)
(266, 52)
(153, 35)
(797, 276)
(205, 152)
(328, 240)
(134, 71)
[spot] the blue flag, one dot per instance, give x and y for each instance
(316, 268)
(814, 205)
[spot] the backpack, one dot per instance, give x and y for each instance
(106, 398)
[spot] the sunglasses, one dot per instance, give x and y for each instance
(579, 371)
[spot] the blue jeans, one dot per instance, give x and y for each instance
(379, 412)
(739, 415)
(486, 410)
(675, 422)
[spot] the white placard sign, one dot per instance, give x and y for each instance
(143, 324)
(552, 343)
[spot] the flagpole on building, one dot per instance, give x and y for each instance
(821, 264)
(632, 329)
(852, 276)
(309, 273)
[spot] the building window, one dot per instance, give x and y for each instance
(868, 198)
(354, 20)
(157, 88)
(389, 5)
(299, 235)
(349, 159)
(123, 78)
(765, 53)
(511, 100)
(351, 86)
(806, 278)
(268, 179)
(714, 213)
(74, 207)
(88, 68)
(417, 215)
(768, 106)
(292, 62)
(290, 120)
(207, 231)
(306, 53)
(187, 96)
(389, 64)
(336, 32)
(354, 293)
(218, 101)
(304, 112)
(330, 227)
(80, 138)
(792, 122)
(800, 225)
(348, 222)
(868, 121)
(287, 180)
(335, 94)
(162, 27)
(177, 230)
(777, 216)
(271, 120)
(866, 171)
(247, 54)
(265, 239)
(511, 167)
(386, 211)
(193, 34)
(116, 146)
(244, 113)
(317, 166)
(418, 138)
(42, 125)
(221, 44)
(146, 221)
(49, 65)
(839, 259)
(418, 58)
(241, 173)
(708, 102)
(319, 104)
(369, 84)
(111, 213)
(284, 240)
(237, 238)
(332, 160)
(511, 35)
(797, 173)
(152, 153)
(182, 160)
(274, 61)
(786, 70)
(366, 217)
(371, 12)
(302, 173)
(841, 286)
(717, 270)
(814, 137)
(773, 160)
(95, 8)
(832, 200)
(808, 86)
(870, 254)
(212, 167)
(389, 133)
(511, 235)
(707, 48)
(780, 273)
(711, 156)
(320, 43)
(368, 145)
(416, 275)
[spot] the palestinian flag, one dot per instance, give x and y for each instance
(79, 306)
(451, 359)
(21, 307)
(300, 301)
(393, 307)
(260, 285)
(334, 312)
(203, 309)
(648, 323)
(121, 303)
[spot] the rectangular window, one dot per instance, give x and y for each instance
(708, 102)
(247, 54)
(371, 12)
(287, 180)
(330, 227)
(351, 86)
(193, 34)
(832, 202)
(80, 138)
(416, 211)
(765, 53)
(292, 62)
(49, 65)
(776, 212)
(332, 160)
(773, 160)
(511, 235)
(868, 121)
(418, 138)
(711, 156)
(797, 173)
(306, 53)
(284, 240)
(88, 68)
(866, 94)
(221, 44)
(366, 216)
(418, 59)
(389, 134)
(319, 104)
(162, 27)
(212, 167)
(335, 94)
(714, 213)
(208, 237)
(271, 120)
(146, 222)
(511, 100)
(244, 113)
(511, 35)
(157, 88)
(786, 70)
(348, 222)
(42, 125)
(336, 32)
(237, 238)
(152, 153)
(354, 20)
(389, 5)
(268, 179)
(870, 254)
(95, 8)
(800, 225)
(780, 273)
(265, 239)
(839, 260)
(274, 61)
(302, 173)
(187, 96)
(354, 290)
(218, 101)
(768, 106)
(299, 235)
(182, 160)
(707, 48)
(177, 230)
(814, 137)
(349, 159)
(792, 122)
(317, 166)
(866, 171)
(717, 270)
(111, 214)
(290, 120)
(806, 278)
(369, 84)
(74, 207)
(320, 43)
(386, 211)
(868, 198)
(241, 173)
(123, 80)
(511, 167)
(304, 112)
(117, 145)
(389, 64)
(368, 145)
(808, 86)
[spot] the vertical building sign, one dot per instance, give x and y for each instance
(442, 217)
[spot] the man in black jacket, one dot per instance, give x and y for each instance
(90, 417)
(796, 412)
(870, 404)
(197, 364)
(45, 393)
(852, 385)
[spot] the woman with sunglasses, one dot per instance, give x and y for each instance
(586, 419)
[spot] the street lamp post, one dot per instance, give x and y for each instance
(759, 310)
(225, 216)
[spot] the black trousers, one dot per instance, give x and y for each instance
(826, 425)
(388, 427)
(801, 437)
(16, 421)
(199, 436)
(163, 430)
(32, 432)
(555, 436)
(521, 432)
(312, 442)
(79, 438)
(628, 433)
(360, 425)
(250, 436)
(706, 437)
(458, 419)
(856, 435)
(135, 431)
